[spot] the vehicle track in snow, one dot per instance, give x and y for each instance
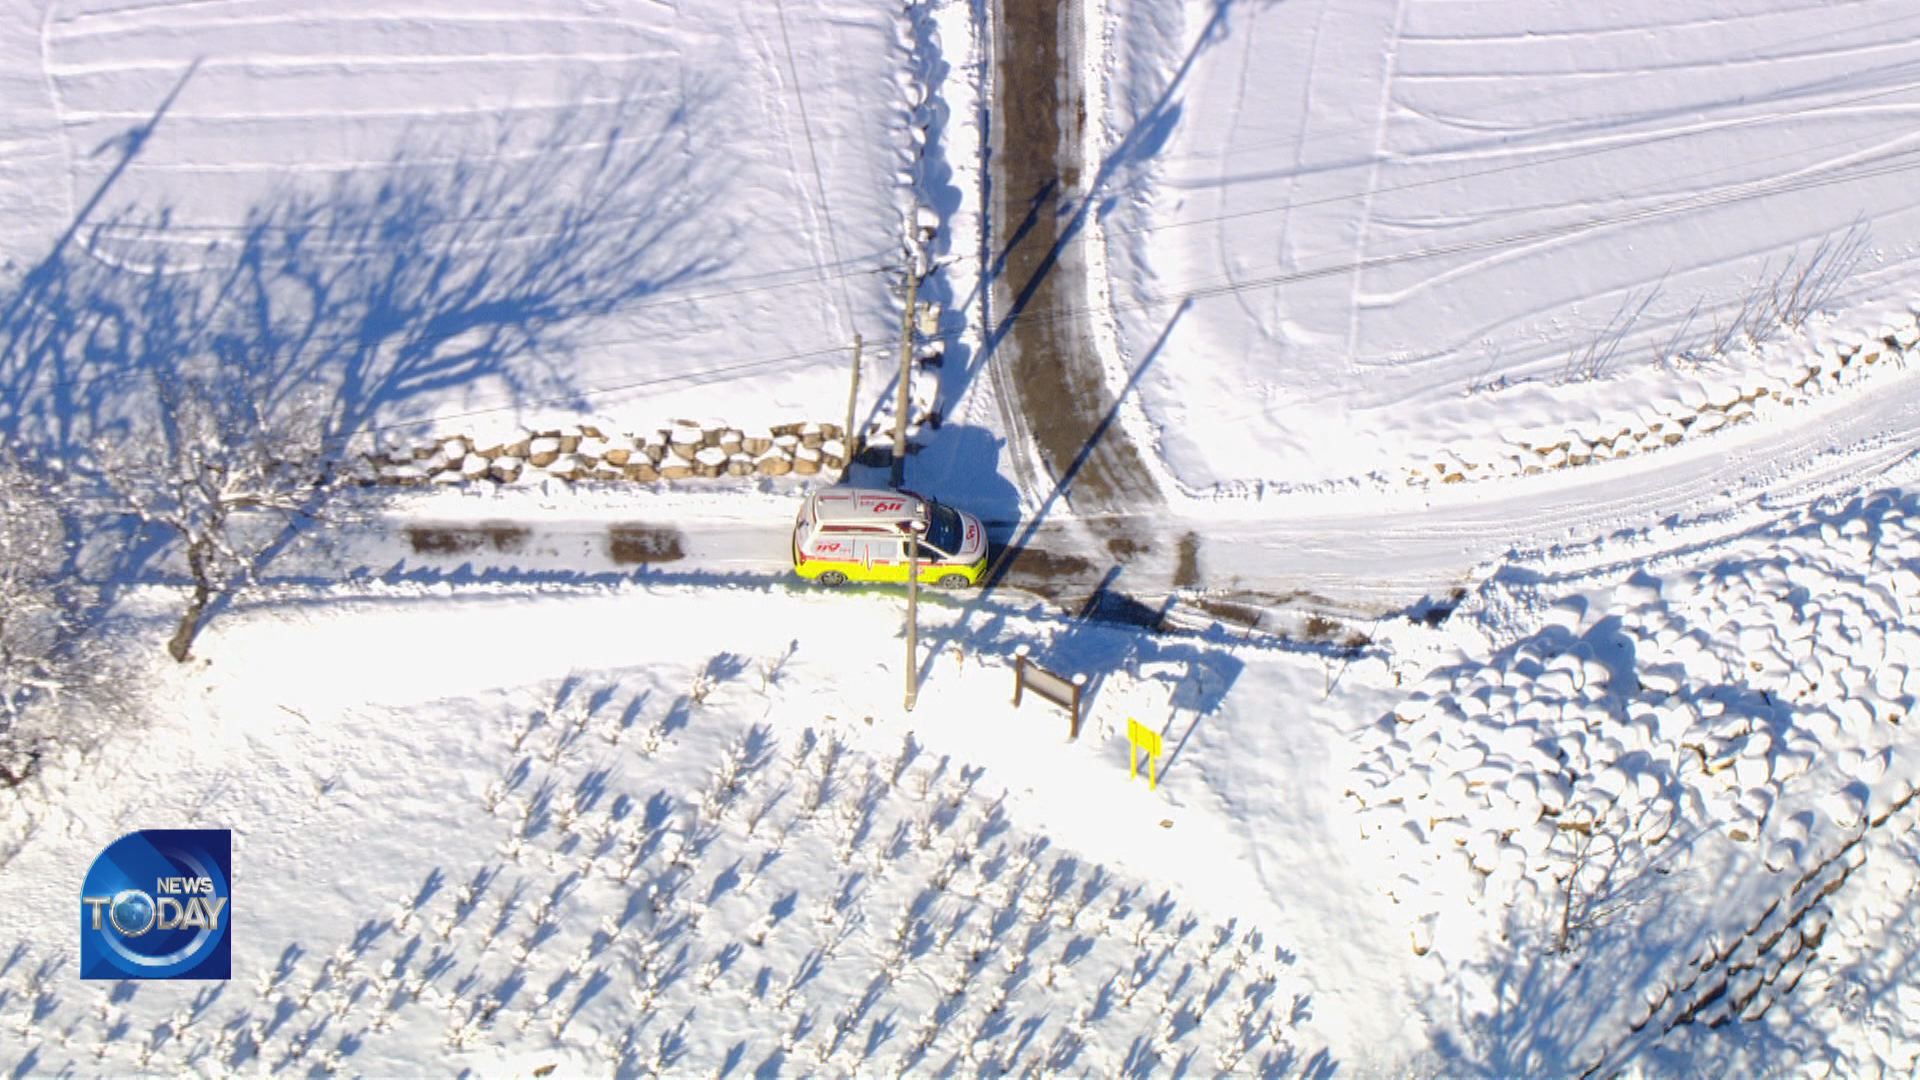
(1043, 355)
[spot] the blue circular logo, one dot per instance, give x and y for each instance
(156, 905)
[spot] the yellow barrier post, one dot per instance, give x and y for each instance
(1141, 737)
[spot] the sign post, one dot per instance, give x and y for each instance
(1141, 737)
(1058, 689)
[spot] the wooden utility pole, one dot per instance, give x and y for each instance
(899, 473)
(853, 399)
(917, 529)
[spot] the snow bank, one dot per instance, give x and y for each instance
(1690, 764)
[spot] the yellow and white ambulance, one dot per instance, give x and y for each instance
(861, 534)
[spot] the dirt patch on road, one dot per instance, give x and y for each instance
(631, 544)
(1030, 565)
(1245, 616)
(460, 539)
(1186, 572)
(1051, 575)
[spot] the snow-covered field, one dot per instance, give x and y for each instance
(633, 210)
(1630, 788)
(552, 829)
(625, 827)
(1420, 225)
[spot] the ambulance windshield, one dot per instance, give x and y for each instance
(943, 529)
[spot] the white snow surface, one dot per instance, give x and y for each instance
(634, 826)
(503, 824)
(1643, 801)
(684, 197)
(1416, 225)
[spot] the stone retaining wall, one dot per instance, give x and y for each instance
(1780, 385)
(688, 450)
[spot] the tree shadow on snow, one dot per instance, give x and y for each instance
(450, 273)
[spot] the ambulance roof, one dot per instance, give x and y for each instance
(873, 505)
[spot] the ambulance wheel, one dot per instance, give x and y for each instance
(832, 579)
(954, 581)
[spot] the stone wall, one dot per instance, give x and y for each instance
(686, 451)
(1779, 385)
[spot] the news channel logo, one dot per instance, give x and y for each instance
(157, 904)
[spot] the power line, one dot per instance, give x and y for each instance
(878, 262)
(819, 179)
(1274, 208)
(1682, 205)
(872, 263)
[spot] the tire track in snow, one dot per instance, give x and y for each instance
(59, 110)
(1385, 119)
(1526, 154)
(1541, 242)
(1693, 130)
(1221, 238)
(1636, 32)
(1225, 182)
(1488, 74)
(83, 28)
(1299, 145)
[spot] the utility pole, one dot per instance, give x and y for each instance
(853, 399)
(917, 529)
(899, 473)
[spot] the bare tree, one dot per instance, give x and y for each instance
(224, 474)
(59, 681)
(32, 619)
(198, 389)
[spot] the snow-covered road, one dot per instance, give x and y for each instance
(1361, 553)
